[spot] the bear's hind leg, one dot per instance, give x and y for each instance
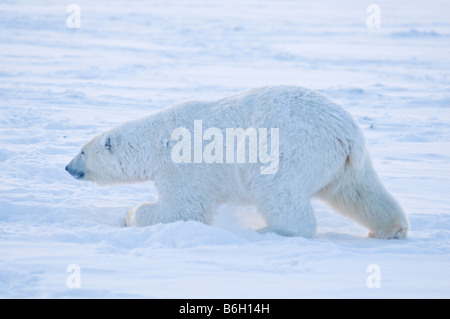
(360, 195)
(294, 217)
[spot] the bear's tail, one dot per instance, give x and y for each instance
(359, 194)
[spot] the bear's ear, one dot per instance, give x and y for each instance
(109, 142)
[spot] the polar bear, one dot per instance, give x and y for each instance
(320, 152)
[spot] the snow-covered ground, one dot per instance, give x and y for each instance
(60, 86)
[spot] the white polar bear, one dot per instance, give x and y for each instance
(321, 153)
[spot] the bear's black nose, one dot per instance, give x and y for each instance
(67, 167)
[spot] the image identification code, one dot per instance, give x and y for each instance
(225, 309)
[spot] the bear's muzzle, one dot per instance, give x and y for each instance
(75, 173)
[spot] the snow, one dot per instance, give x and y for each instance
(59, 87)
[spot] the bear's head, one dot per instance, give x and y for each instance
(112, 157)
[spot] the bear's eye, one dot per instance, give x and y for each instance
(82, 153)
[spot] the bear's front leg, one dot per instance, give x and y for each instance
(168, 212)
(143, 215)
